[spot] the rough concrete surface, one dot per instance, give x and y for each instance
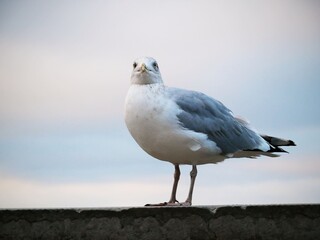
(207, 222)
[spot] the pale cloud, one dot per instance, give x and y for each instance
(42, 85)
(74, 62)
(294, 191)
(23, 193)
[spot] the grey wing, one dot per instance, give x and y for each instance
(203, 114)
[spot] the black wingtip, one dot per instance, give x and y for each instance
(291, 143)
(274, 149)
(276, 142)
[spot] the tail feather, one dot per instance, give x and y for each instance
(275, 143)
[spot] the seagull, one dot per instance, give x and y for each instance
(186, 127)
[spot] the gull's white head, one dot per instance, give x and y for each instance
(145, 71)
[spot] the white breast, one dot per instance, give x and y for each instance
(151, 118)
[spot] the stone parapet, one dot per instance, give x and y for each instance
(205, 222)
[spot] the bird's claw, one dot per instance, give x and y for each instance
(170, 204)
(156, 204)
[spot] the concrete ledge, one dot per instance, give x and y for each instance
(208, 222)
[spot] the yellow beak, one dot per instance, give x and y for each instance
(143, 67)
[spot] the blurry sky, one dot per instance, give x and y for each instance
(65, 68)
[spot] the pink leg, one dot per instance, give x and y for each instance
(173, 201)
(193, 175)
(175, 184)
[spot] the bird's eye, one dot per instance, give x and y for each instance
(155, 65)
(134, 65)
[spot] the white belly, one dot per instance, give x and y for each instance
(151, 118)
